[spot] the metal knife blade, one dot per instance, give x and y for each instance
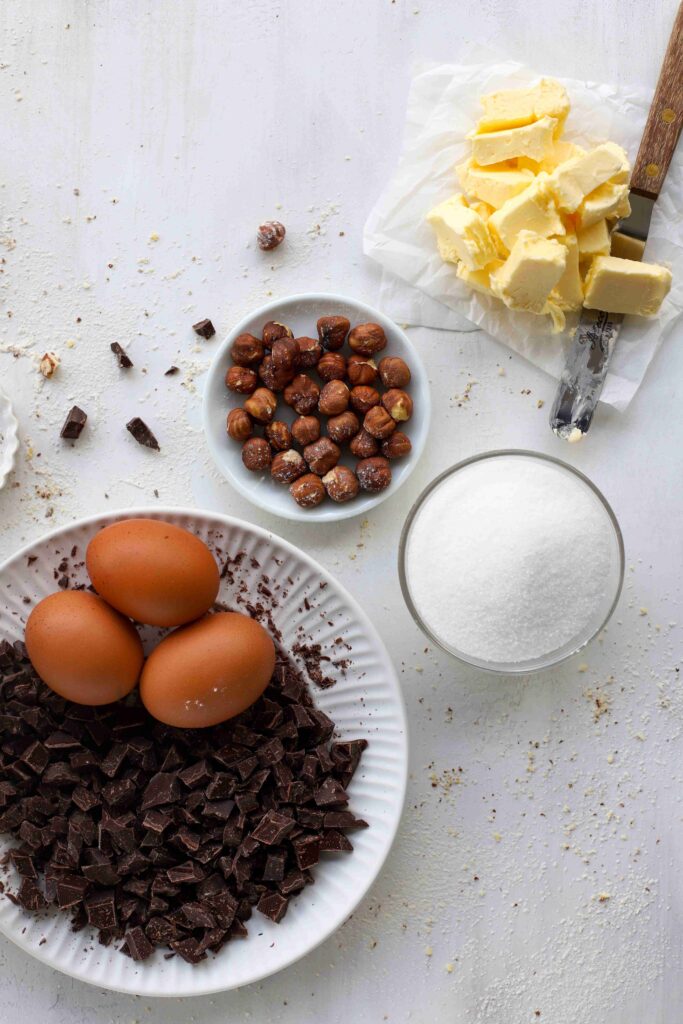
(588, 360)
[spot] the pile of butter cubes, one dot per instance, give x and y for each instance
(533, 224)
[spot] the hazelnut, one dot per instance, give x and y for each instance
(396, 446)
(322, 455)
(332, 366)
(334, 398)
(364, 398)
(270, 234)
(308, 491)
(379, 423)
(241, 379)
(398, 404)
(310, 351)
(285, 355)
(274, 379)
(246, 350)
(256, 454)
(261, 405)
(302, 394)
(366, 339)
(278, 436)
(363, 445)
(48, 364)
(332, 331)
(341, 484)
(394, 372)
(306, 430)
(287, 466)
(361, 370)
(342, 428)
(374, 475)
(273, 331)
(239, 425)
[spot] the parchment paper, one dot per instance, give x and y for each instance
(418, 288)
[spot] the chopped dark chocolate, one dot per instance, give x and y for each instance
(336, 842)
(73, 424)
(204, 328)
(162, 789)
(124, 360)
(171, 371)
(137, 945)
(273, 827)
(142, 434)
(273, 905)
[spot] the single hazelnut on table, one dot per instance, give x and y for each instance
(367, 339)
(261, 405)
(379, 423)
(278, 435)
(322, 455)
(256, 454)
(241, 379)
(361, 370)
(341, 484)
(374, 474)
(394, 372)
(334, 398)
(343, 427)
(396, 446)
(302, 394)
(308, 491)
(287, 466)
(332, 331)
(398, 404)
(273, 331)
(270, 234)
(363, 398)
(285, 354)
(246, 350)
(239, 425)
(332, 366)
(310, 351)
(363, 445)
(274, 379)
(306, 430)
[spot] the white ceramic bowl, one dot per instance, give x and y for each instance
(366, 702)
(300, 313)
(9, 441)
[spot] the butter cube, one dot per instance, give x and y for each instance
(594, 240)
(608, 200)
(532, 210)
(559, 152)
(531, 271)
(579, 176)
(461, 234)
(568, 292)
(478, 280)
(626, 286)
(494, 184)
(512, 108)
(532, 140)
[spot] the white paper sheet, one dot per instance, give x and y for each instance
(418, 288)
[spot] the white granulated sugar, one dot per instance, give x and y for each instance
(511, 558)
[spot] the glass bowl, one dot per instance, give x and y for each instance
(602, 613)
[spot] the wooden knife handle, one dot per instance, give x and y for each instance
(664, 121)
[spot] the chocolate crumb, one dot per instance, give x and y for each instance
(204, 328)
(124, 360)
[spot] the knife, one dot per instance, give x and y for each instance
(597, 331)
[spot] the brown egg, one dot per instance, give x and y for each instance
(208, 672)
(83, 649)
(153, 572)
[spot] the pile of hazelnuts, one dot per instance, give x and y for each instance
(337, 401)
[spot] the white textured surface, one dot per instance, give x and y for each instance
(366, 704)
(9, 442)
(199, 117)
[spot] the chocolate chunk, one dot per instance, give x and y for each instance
(204, 328)
(101, 910)
(30, 897)
(306, 851)
(142, 434)
(24, 864)
(185, 874)
(273, 827)
(157, 821)
(119, 793)
(84, 799)
(274, 870)
(160, 931)
(330, 793)
(137, 945)
(293, 882)
(162, 789)
(171, 371)
(198, 916)
(333, 841)
(36, 757)
(343, 819)
(71, 889)
(189, 950)
(196, 775)
(124, 360)
(73, 424)
(273, 905)
(271, 752)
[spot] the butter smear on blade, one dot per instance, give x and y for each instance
(534, 224)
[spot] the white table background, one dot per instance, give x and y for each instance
(195, 120)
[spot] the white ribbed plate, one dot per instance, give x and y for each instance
(9, 442)
(366, 703)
